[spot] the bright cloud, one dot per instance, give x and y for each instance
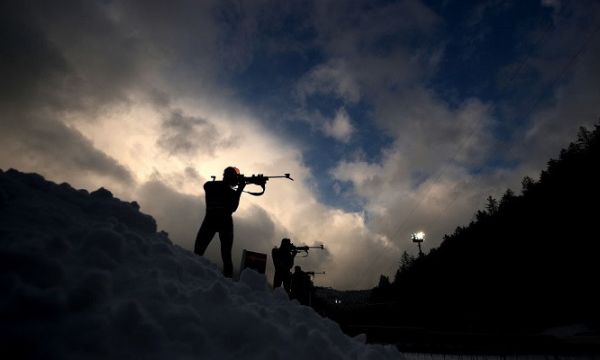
(340, 127)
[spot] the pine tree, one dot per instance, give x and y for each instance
(507, 197)
(492, 205)
(384, 282)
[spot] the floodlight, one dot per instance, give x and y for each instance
(418, 237)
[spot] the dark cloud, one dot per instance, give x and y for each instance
(264, 26)
(187, 135)
(59, 59)
(29, 63)
(192, 173)
(358, 27)
(555, 85)
(67, 56)
(47, 145)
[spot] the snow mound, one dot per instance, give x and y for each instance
(87, 276)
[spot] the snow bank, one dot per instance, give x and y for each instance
(87, 276)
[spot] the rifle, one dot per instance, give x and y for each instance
(260, 180)
(297, 249)
(313, 273)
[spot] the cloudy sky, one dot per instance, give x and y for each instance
(392, 116)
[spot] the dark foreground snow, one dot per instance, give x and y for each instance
(85, 276)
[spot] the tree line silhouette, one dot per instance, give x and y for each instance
(525, 263)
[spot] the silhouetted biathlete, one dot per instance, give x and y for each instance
(222, 200)
(301, 286)
(283, 260)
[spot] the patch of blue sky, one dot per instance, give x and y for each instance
(323, 153)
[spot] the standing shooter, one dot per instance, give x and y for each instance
(283, 260)
(222, 200)
(302, 285)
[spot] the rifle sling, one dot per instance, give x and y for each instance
(256, 193)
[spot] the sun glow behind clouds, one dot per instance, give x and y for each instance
(132, 135)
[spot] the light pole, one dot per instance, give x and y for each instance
(418, 239)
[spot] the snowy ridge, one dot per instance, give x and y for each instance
(87, 276)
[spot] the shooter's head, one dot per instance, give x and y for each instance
(231, 175)
(285, 243)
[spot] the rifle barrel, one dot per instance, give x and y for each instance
(286, 176)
